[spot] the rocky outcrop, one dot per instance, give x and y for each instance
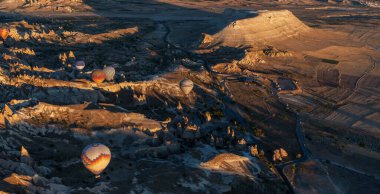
(370, 3)
(33, 184)
(233, 163)
(191, 133)
(25, 157)
(231, 68)
(80, 116)
(274, 52)
(66, 6)
(279, 154)
(254, 151)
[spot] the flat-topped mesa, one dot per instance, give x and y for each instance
(268, 26)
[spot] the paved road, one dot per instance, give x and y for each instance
(298, 128)
(305, 154)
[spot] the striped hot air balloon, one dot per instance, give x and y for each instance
(186, 86)
(96, 158)
(98, 76)
(80, 65)
(110, 73)
(4, 33)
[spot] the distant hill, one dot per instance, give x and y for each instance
(267, 26)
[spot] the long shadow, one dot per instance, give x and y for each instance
(159, 12)
(155, 11)
(11, 188)
(53, 95)
(94, 54)
(372, 123)
(80, 173)
(130, 11)
(125, 14)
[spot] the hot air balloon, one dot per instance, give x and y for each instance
(110, 73)
(96, 158)
(79, 65)
(98, 76)
(4, 33)
(186, 86)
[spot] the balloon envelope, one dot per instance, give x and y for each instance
(186, 86)
(80, 65)
(98, 76)
(96, 157)
(4, 33)
(110, 73)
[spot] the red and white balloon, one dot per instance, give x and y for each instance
(98, 76)
(96, 157)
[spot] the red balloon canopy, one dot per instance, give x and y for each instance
(4, 33)
(98, 76)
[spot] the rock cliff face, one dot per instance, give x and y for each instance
(80, 116)
(233, 164)
(262, 81)
(279, 154)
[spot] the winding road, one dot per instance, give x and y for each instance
(305, 154)
(298, 128)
